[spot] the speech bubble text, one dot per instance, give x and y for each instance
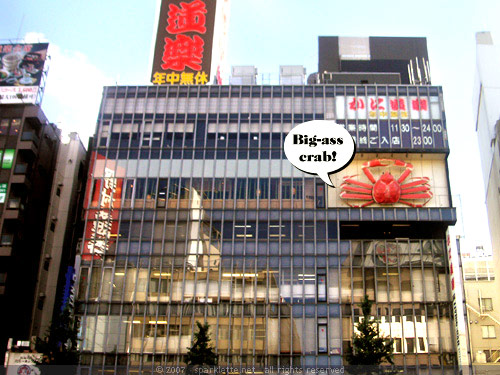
(320, 147)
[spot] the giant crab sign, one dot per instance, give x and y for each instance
(386, 189)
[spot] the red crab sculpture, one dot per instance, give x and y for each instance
(387, 189)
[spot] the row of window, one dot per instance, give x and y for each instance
(10, 126)
(265, 91)
(273, 284)
(128, 193)
(186, 140)
(199, 154)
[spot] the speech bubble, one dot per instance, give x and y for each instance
(320, 147)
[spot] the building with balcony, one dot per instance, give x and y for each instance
(193, 213)
(483, 302)
(28, 145)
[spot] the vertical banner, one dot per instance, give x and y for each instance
(458, 300)
(183, 49)
(3, 192)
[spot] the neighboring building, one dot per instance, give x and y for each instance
(62, 232)
(193, 214)
(29, 146)
(482, 289)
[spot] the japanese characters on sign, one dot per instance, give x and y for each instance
(388, 122)
(102, 224)
(183, 50)
(3, 192)
(8, 158)
(21, 70)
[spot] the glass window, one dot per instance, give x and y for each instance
(162, 192)
(321, 287)
(156, 139)
(252, 188)
(15, 126)
(274, 192)
(173, 188)
(241, 186)
(218, 192)
(410, 345)
(263, 191)
(134, 142)
(151, 189)
(4, 127)
(486, 304)
(286, 189)
(298, 189)
(140, 187)
(488, 332)
(397, 345)
(146, 139)
(114, 139)
(322, 338)
(320, 195)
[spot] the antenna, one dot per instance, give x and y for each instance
(409, 74)
(426, 71)
(412, 73)
(418, 71)
(429, 71)
(20, 27)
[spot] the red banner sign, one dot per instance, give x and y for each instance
(183, 51)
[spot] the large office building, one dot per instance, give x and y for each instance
(194, 214)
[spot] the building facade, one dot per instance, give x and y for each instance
(482, 300)
(62, 232)
(28, 147)
(193, 214)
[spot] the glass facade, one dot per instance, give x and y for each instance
(194, 214)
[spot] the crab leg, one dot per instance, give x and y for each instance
(415, 189)
(360, 205)
(413, 204)
(349, 180)
(355, 196)
(418, 181)
(356, 189)
(370, 164)
(417, 196)
(409, 168)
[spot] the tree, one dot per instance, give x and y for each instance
(368, 347)
(201, 353)
(59, 347)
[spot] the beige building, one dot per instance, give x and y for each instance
(481, 283)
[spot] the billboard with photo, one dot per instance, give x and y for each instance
(183, 49)
(21, 71)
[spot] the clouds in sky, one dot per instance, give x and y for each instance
(73, 89)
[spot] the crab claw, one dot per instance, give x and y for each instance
(375, 163)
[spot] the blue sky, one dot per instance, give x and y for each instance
(96, 43)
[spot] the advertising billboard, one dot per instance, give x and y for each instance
(21, 70)
(183, 49)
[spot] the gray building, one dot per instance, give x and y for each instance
(61, 234)
(193, 214)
